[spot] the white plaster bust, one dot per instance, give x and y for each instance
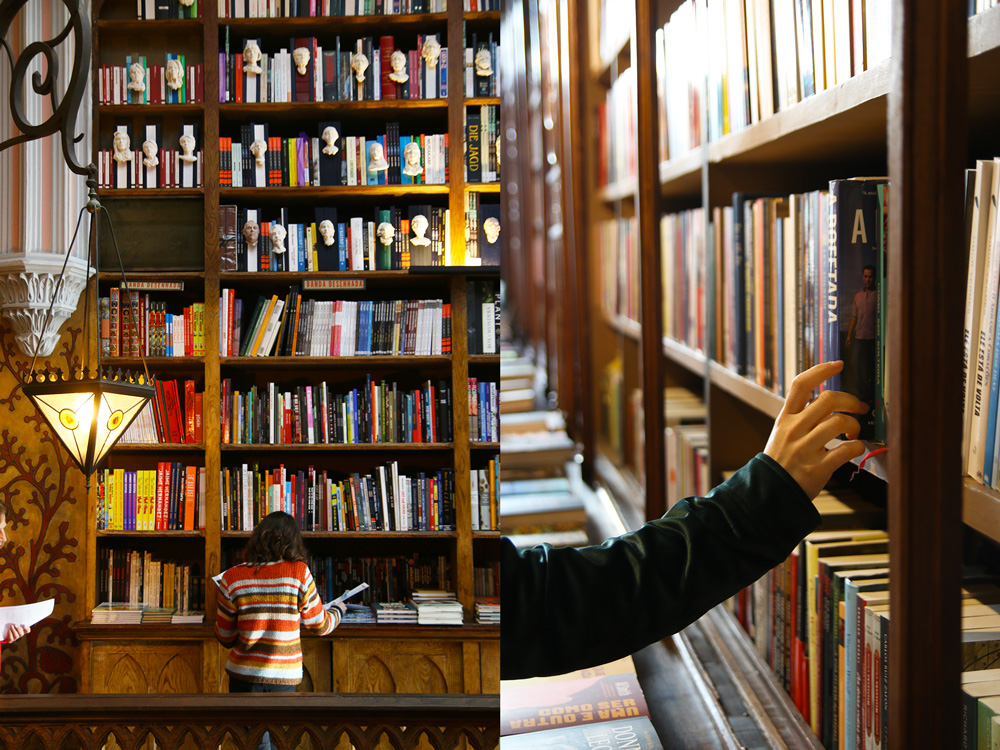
(122, 147)
(251, 56)
(300, 55)
(251, 232)
(175, 74)
(431, 52)
(136, 77)
(258, 148)
(329, 137)
(484, 62)
(376, 158)
(187, 148)
(149, 149)
(277, 238)
(411, 158)
(398, 62)
(359, 64)
(492, 228)
(386, 233)
(419, 226)
(187, 3)
(328, 232)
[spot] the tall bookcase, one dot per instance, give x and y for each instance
(900, 117)
(173, 234)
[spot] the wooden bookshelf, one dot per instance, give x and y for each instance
(470, 654)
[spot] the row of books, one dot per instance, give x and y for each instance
(260, 160)
(385, 500)
(140, 82)
(484, 411)
(486, 583)
(474, 6)
(163, 168)
(618, 245)
(394, 238)
(149, 10)
(682, 247)
(164, 419)
(122, 613)
(346, 70)
(482, 66)
(144, 327)
(324, 8)
(134, 577)
(169, 498)
(760, 57)
(686, 445)
(485, 493)
(803, 280)
(482, 230)
(482, 144)
(617, 149)
(375, 412)
(612, 392)
(340, 328)
(483, 301)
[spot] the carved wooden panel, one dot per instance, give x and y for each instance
(380, 666)
(489, 666)
(138, 668)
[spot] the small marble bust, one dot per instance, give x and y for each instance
(258, 148)
(386, 233)
(431, 52)
(328, 232)
(329, 137)
(122, 147)
(484, 63)
(175, 74)
(136, 77)
(251, 232)
(251, 56)
(300, 56)
(398, 62)
(492, 228)
(187, 3)
(359, 64)
(376, 158)
(419, 227)
(411, 159)
(187, 148)
(149, 149)
(277, 238)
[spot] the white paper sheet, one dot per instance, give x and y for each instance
(25, 614)
(348, 594)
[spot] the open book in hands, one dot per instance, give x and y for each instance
(342, 599)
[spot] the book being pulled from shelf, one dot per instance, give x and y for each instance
(140, 82)
(324, 8)
(295, 327)
(117, 613)
(437, 607)
(328, 74)
(395, 612)
(488, 610)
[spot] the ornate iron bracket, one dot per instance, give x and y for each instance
(64, 111)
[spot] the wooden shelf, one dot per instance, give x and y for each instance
(482, 100)
(135, 25)
(480, 446)
(151, 193)
(625, 326)
(286, 277)
(151, 110)
(682, 176)
(157, 447)
(486, 534)
(338, 447)
(622, 56)
(332, 191)
(415, 21)
(482, 15)
(87, 631)
(617, 191)
(152, 534)
(166, 362)
(483, 187)
(981, 508)
(484, 359)
(319, 110)
(366, 535)
(165, 275)
(293, 363)
(685, 356)
(762, 399)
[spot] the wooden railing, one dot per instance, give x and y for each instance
(295, 721)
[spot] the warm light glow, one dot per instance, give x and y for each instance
(68, 419)
(116, 419)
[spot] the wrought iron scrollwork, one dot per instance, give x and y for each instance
(64, 110)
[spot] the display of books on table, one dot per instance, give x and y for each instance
(488, 610)
(437, 607)
(394, 612)
(118, 613)
(187, 618)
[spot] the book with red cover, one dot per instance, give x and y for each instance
(189, 411)
(190, 479)
(198, 416)
(174, 414)
(387, 45)
(161, 477)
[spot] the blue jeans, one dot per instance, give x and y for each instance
(242, 686)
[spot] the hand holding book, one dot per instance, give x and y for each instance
(803, 428)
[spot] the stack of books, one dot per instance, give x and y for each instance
(395, 613)
(157, 616)
(118, 613)
(187, 618)
(488, 610)
(436, 607)
(358, 614)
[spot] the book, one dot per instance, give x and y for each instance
(634, 734)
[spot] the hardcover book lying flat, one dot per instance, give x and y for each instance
(634, 734)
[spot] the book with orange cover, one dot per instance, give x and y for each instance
(190, 479)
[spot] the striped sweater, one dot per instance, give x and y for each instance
(260, 611)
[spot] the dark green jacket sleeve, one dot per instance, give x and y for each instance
(569, 608)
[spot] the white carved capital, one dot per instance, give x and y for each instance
(27, 283)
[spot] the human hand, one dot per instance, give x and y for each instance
(15, 631)
(340, 607)
(802, 429)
